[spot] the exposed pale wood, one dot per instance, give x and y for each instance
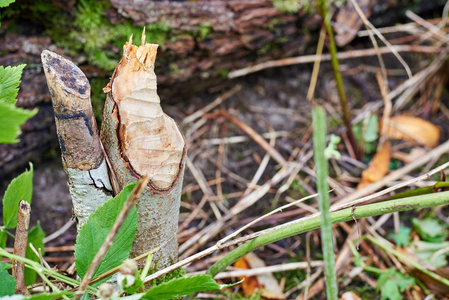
(140, 139)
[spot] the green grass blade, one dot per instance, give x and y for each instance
(319, 144)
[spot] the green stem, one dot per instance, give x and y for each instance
(338, 77)
(344, 215)
(319, 144)
(408, 261)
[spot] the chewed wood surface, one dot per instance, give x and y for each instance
(149, 139)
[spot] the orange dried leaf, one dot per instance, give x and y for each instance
(250, 283)
(264, 282)
(413, 129)
(378, 167)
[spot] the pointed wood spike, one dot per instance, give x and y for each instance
(143, 36)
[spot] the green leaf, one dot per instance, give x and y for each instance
(20, 188)
(383, 278)
(372, 129)
(331, 149)
(404, 283)
(3, 237)
(390, 291)
(391, 283)
(430, 230)
(403, 236)
(8, 283)
(9, 82)
(92, 235)
(11, 118)
(181, 286)
(426, 253)
(5, 3)
(36, 237)
(85, 296)
(369, 132)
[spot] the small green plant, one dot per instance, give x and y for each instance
(366, 133)
(392, 284)
(402, 239)
(331, 149)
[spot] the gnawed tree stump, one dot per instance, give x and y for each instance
(140, 139)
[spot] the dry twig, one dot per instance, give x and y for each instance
(20, 247)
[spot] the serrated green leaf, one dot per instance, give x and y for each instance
(430, 230)
(36, 237)
(8, 283)
(181, 286)
(403, 236)
(404, 282)
(5, 3)
(11, 118)
(383, 278)
(390, 291)
(9, 83)
(20, 188)
(92, 235)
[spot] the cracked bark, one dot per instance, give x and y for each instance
(82, 155)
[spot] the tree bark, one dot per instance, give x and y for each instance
(81, 150)
(140, 139)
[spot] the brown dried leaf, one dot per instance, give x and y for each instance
(378, 167)
(348, 21)
(265, 282)
(413, 129)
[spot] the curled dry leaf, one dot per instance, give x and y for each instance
(265, 282)
(413, 129)
(378, 167)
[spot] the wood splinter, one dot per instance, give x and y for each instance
(140, 139)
